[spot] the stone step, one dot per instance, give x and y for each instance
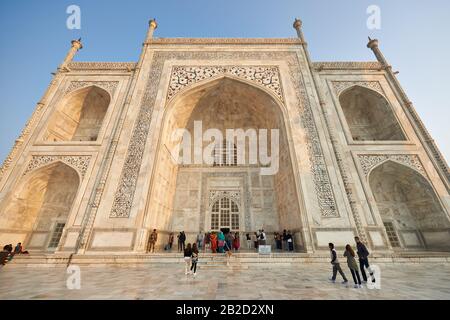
(214, 260)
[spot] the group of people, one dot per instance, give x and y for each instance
(349, 253)
(220, 242)
(8, 253)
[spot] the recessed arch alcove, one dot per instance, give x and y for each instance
(40, 204)
(179, 197)
(409, 207)
(369, 116)
(79, 117)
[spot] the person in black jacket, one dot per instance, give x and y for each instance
(187, 258)
(182, 241)
(363, 255)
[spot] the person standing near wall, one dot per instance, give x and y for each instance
(152, 241)
(194, 259)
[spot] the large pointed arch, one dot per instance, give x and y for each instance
(369, 116)
(409, 207)
(41, 203)
(248, 104)
(80, 116)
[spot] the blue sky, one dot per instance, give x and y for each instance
(413, 36)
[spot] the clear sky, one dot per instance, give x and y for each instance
(414, 36)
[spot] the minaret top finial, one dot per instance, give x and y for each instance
(297, 23)
(152, 23)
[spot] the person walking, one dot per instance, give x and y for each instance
(249, 241)
(363, 256)
(236, 242)
(194, 259)
(336, 265)
(278, 241)
(229, 238)
(182, 239)
(352, 265)
(285, 240)
(263, 238)
(256, 240)
(207, 242)
(187, 258)
(290, 241)
(152, 241)
(213, 242)
(221, 241)
(170, 241)
(200, 238)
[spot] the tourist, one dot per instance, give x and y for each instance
(285, 240)
(290, 241)
(263, 238)
(19, 249)
(363, 255)
(152, 241)
(236, 242)
(194, 259)
(213, 242)
(221, 241)
(278, 241)
(249, 241)
(229, 240)
(256, 240)
(9, 248)
(4, 255)
(200, 238)
(352, 265)
(187, 258)
(170, 241)
(207, 242)
(336, 265)
(182, 241)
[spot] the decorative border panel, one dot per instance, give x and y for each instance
(368, 162)
(79, 163)
(127, 184)
(184, 76)
(215, 195)
(109, 86)
(340, 86)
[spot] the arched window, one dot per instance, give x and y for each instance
(224, 214)
(369, 116)
(225, 154)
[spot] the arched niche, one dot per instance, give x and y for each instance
(40, 205)
(177, 201)
(407, 203)
(79, 117)
(369, 116)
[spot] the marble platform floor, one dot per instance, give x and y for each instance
(308, 281)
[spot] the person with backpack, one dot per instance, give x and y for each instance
(194, 259)
(352, 265)
(336, 265)
(187, 258)
(363, 255)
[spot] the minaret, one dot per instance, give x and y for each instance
(152, 26)
(429, 145)
(76, 46)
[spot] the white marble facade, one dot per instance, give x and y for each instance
(92, 170)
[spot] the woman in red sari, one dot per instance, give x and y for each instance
(213, 242)
(236, 242)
